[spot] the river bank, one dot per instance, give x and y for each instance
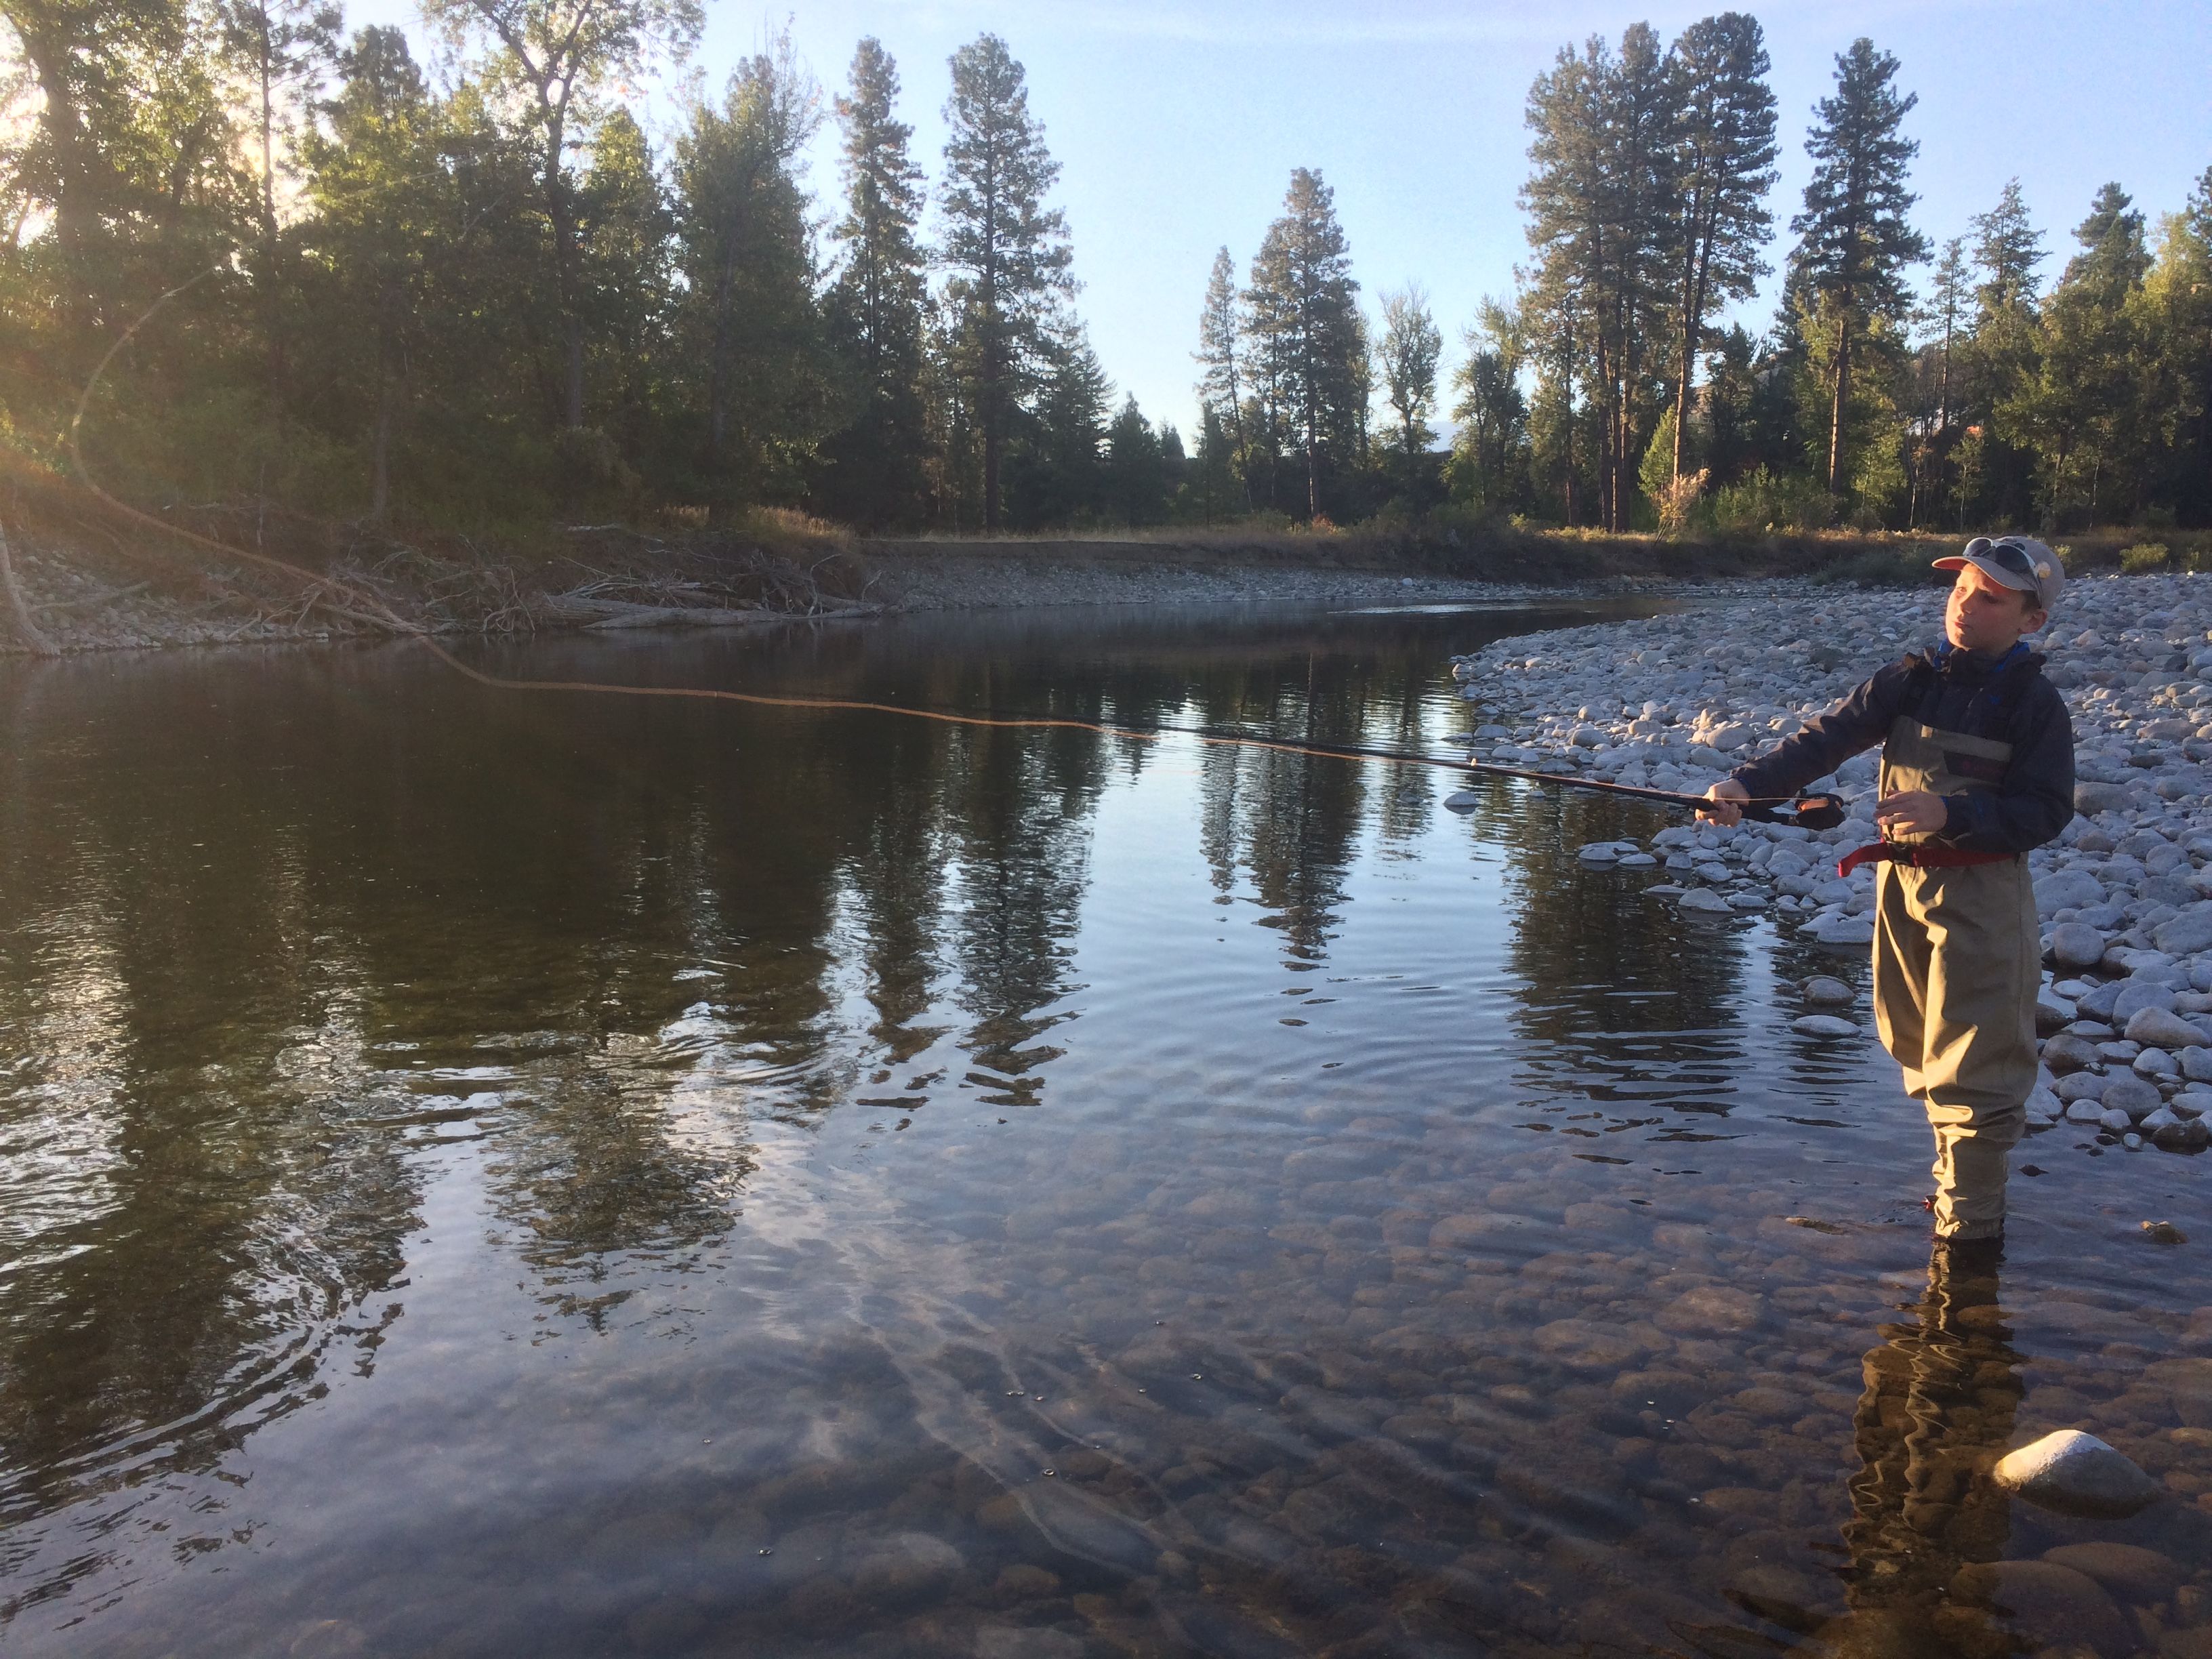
(1676, 702)
(86, 575)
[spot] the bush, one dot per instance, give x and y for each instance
(2144, 557)
(1763, 502)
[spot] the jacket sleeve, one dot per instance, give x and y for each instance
(1852, 726)
(2036, 798)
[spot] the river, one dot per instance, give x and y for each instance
(487, 1173)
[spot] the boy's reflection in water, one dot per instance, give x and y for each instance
(1936, 1413)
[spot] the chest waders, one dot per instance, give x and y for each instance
(1957, 962)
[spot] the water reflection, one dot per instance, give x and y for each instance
(622, 1140)
(1941, 1394)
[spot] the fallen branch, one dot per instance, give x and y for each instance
(93, 598)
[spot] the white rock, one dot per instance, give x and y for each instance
(2077, 1474)
(1822, 989)
(2085, 1111)
(2113, 1119)
(2126, 1092)
(1840, 933)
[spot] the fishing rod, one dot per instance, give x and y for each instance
(1806, 812)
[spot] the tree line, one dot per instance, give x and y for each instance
(482, 300)
(477, 302)
(1605, 393)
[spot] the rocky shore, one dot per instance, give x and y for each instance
(2124, 895)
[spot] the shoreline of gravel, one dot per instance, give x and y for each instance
(1676, 700)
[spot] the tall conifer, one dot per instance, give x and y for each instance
(1725, 171)
(1306, 322)
(1855, 242)
(1010, 249)
(876, 304)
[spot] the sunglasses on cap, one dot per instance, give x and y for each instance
(2011, 555)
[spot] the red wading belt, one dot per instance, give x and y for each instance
(1920, 856)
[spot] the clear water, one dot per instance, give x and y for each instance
(497, 1174)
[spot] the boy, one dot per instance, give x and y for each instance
(1977, 768)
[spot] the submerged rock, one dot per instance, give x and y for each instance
(2075, 1473)
(1823, 1026)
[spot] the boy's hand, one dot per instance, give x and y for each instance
(1916, 812)
(1724, 795)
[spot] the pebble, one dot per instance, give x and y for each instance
(1822, 989)
(2075, 1473)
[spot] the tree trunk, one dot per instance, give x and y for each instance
(19, 611)
(1843, 392)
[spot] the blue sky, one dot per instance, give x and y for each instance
(1176, 124)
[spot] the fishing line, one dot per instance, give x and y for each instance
(364, 606)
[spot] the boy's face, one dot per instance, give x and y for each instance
(1986, 616)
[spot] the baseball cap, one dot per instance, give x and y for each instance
(2018, 561)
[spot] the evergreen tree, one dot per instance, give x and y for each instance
(555, 55)
(1489, 463)
(2005, 355)
(378, 208)
(1220, 385)
(1724, 170)
(1411, 347)
(1010, 251)
(2007, 250)
(1307, 327)
(1054, 461)
(876, 463)
(2177, 316)
(1854, 240)
(1602, 198)
(748, 267)
(1136, 478)
(626, 247)
(2081, 410)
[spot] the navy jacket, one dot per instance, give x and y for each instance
(2006, 699)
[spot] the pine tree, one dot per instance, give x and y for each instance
(1221, 380)
(2177, 320)
(1601, 198)
(2007, 250)
(1308, 327)
(748, 266)
(1411, 347)
(1854, 240)
(2083, 409)
(1725, 169)
(876, 305)
(1010, 249)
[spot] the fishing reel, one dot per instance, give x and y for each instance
(1807, 812)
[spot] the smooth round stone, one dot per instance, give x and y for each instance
(2077, 1086)
(1823, 990)
(2126, 1092)
(2071, 1473)
(2126, 1570)
(1823, 1026)
(1844, 933)
(2159, 1028)
(1637, 860)
(2075, 945)
(1464, 800)
(2063, 1054)
(2085, 1112)
(1703, 900)
(2053, 1606)
(2115, 1121)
